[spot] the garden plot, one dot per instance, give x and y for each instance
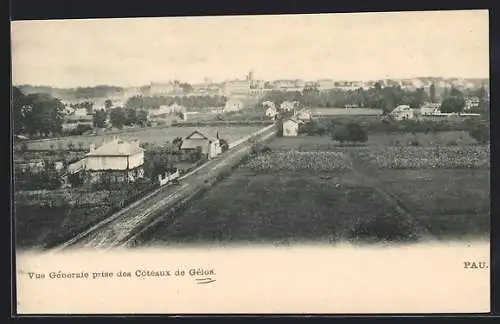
(443, 157)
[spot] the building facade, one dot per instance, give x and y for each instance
(208, 146)
(116, 161)
(291, 127)
(402, 112)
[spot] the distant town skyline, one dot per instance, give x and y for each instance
(138, 51)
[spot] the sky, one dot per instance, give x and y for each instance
(356, 46)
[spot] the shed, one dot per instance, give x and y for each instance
(210, 146)
(291, 127)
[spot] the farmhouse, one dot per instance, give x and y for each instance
(271, 112)
(429, 109)
(402, 112)
(209, 146)
(268, 104)
(291, 127)
(116, 161)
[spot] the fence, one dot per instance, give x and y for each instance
(168, 177)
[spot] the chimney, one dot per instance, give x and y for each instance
(92, 147)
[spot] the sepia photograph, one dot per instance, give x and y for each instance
(231, 142)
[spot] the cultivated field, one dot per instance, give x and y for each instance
(46, 216)
(285, 208)
(308, 189)
(147, 135)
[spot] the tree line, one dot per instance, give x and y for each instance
(385, 98)
(154, 102)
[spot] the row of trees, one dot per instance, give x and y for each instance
(142, 102)
(377, 97)
(120, 117)
(386, 98)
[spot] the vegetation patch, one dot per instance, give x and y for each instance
(297, 161)
(411, 157)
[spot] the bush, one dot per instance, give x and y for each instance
(351, 132)
(81, 129)
(480, 133)
(224, 145)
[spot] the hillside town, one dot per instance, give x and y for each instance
(172, 102)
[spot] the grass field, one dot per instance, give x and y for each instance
(325, 143)
(286, 208)
(302, 201)
(36, 227)
(147, 135)
(450, 203)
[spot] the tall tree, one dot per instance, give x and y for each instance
(432, 93)
(142, 117)
(135, 102)
(117, 117)
(453, 105)
(131, 116)
(18, 101)
(99, 118)
(42, 114)
(108, 103)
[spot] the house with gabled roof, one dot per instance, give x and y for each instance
(291, 127)
(208, 145)
(115, 161)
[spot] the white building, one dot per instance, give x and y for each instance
(271, 112)
(429, 109)
(80, 112)
(402, 112)
(116, 161)
(325, 84)
(287, 106)
(268, 104)
(291, 127)
(236, 87)
(471, 103)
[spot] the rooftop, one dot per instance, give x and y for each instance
(116, 147)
